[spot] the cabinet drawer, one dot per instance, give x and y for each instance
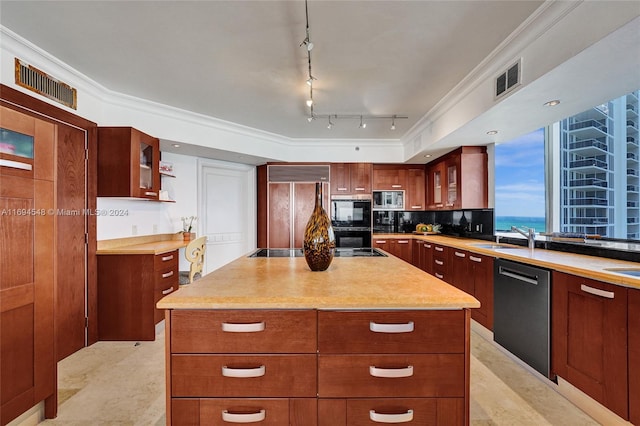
(391, 332)
(167, 260)
(239, 331)
(429, 375)
(243, 375)
(276, 411)
(165, 278)
(158, 314)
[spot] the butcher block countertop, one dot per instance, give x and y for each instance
(145, 244)
(597, 268)
(348, 283)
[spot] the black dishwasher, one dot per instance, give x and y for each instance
(522, 312)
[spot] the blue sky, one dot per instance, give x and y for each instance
(519, 178)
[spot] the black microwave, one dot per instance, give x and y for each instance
(350, 212)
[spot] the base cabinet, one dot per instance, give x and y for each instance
(589, 332)
(129, 286)
(309, 367)
(634, 355)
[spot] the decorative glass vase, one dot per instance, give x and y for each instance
(319, 240)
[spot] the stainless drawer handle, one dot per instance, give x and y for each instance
(391, 328)
(439, 276)
(391, 418)
(391, 372)
(253, 327)
(475, 259)
(416, 207)
(439, 248)
(597, 291)
(439, 262)
(243, 418)
(167, 291)
(396, 186)
(403, 241)
(341, 189)
(459, 254)
(427, 246)
(381, 241)
(153, 194)
(243, 372)
(359, 189)
(167, 274)
(167, 258)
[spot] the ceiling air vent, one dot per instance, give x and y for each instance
(508, 80)
(43, 84)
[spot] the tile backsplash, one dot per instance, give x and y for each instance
(463, 223)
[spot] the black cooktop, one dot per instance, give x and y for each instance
(340, 252)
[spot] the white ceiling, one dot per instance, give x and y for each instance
(241, 61)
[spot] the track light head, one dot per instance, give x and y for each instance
(309, 102)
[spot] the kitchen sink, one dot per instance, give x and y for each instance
(633, 272)
(494, 246)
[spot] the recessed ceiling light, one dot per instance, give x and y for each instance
(492, 132)
(552, 103)
(176, 145)
(427, 156)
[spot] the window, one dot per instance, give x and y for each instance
(520, 184)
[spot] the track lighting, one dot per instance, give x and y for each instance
(310, 82)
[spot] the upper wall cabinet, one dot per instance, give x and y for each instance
(459, 180)
(389, 177)
(351, 178)
(128, 163)
(399, 177)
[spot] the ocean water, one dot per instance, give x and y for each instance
(504, 223)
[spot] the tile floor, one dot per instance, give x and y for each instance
(122, 383)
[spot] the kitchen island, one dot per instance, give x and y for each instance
(264, 339)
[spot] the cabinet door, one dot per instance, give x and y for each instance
(634, 356)
(340, 179)
(279, 216)
(361, 178)
(27, 357)
(460, 270)
(427, 257)
(589, 332)
(417, 258)
(415, 195)
(304, 197)
(146, 149)
(402, 249)
(389, 177)
(382, 243)
(451, 188)
(436, 186)
(481, 272)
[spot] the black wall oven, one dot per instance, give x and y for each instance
(351, 220)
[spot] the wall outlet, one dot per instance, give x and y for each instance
(155, 228)
(134, 230)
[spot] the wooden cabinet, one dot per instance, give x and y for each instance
(415, 196)
(389, 177)
(382, 244)
(290, 206)
(391, 367)
(128, 163)
(401, 247)
(129, 286)
(459, 180)
(351, 178)
(459, 270)
(441, 262)
(243, 366)
(634, 355)
(481, 276)
(589, 338)
(27, 266)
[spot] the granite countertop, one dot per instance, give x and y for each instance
(147, 244)
(288, 283)
(593, 267)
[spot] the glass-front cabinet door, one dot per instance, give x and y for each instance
(452, 184)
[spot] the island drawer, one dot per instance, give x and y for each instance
(421, 411)
(399, 375)
(276, 411)
(167, 260)
(243, 375)
(243, 331)
(391, 332)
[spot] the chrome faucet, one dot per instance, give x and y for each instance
(529, 234)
